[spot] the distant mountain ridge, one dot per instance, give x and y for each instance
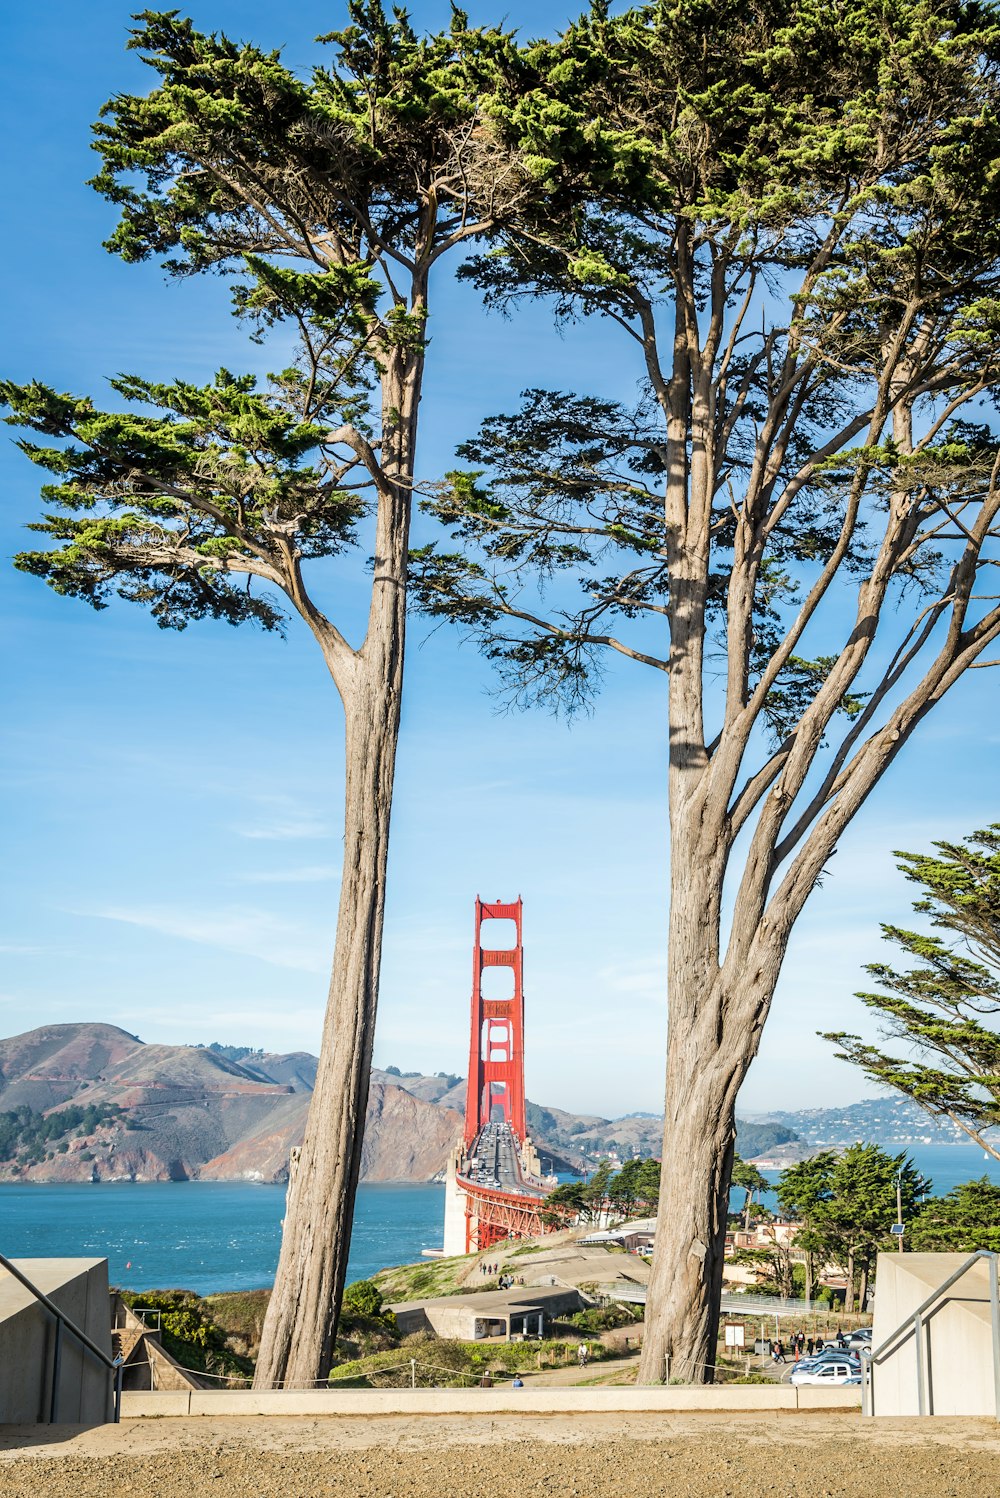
(885, 1121)
(190, 1113)
(196, 1112)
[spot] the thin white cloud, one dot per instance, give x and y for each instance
(285, 829)
(245, 931)
(281, 818)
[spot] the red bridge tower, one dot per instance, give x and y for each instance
(496, 1050)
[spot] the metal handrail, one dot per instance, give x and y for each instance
(916, 1321)
(114, 1365)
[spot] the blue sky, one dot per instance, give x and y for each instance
(172, 802)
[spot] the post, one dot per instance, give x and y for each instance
(119, 1366)
(994, 1263)
(666, 1367)
(918, 1336)
(899, 1207)
(56, 1370)
(413, 1373)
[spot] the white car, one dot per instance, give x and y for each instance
(827, 1375)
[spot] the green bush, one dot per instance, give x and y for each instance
(604, 1318)
(364, 1297)
(189, 1332)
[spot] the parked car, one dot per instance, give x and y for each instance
(860, 1339)
(830, 1355)
(828, 1375)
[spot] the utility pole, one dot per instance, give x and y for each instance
(899, 1209)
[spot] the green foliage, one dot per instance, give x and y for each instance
(235, 1053)
(24, 1133)
(597, 1319)
(758, 1138)
(240, 1315)
(364, 1298)
(945, 1009)
(189, 1332)
(328, 198)
(636, 1185)
(963, 1221)
(691, 155)
(848, 1203)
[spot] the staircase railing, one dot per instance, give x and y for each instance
(62, 1322)
(916, 1323)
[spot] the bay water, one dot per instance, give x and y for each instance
(204, 1235)
(208, 1236)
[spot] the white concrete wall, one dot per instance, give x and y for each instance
(242, 1402)
(79, 1287)
(957, 1340)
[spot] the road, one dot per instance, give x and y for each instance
(497, 1164)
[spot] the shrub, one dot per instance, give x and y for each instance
(189, 1332)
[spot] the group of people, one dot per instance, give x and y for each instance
(506, 1281)
(799, 1345)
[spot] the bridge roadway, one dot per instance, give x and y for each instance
(494, 1163)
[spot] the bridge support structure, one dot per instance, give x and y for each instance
(495, 1086)
(494, 1188)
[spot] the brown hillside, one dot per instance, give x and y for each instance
(189, 1113)
(49, 1066)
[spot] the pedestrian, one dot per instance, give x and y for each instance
(779, 1352)
(582, 1353)
(517, 1382)
(809, 1347)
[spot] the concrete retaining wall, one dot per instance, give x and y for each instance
(79, 1287)
(664, 1399)
(957, 1337)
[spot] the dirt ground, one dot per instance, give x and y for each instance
(521, 1456)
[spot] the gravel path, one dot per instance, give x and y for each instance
(524, 1456)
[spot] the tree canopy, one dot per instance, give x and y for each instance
(326, 201)
(791, 213)
(965, 1220)
(944, 1011)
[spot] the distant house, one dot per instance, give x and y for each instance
(522, 1312)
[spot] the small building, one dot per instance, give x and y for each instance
(33, 1357)
(523, 1311)
(635, 1237)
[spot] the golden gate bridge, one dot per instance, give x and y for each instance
(494, 1187)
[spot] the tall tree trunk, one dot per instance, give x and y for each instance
(699, 1135)
(716, 1015)
(849, 1291)
(301, 1323)
(297, 1342)
(863, 1288)
(686, 1278)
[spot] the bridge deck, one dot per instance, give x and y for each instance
(495, 1164)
